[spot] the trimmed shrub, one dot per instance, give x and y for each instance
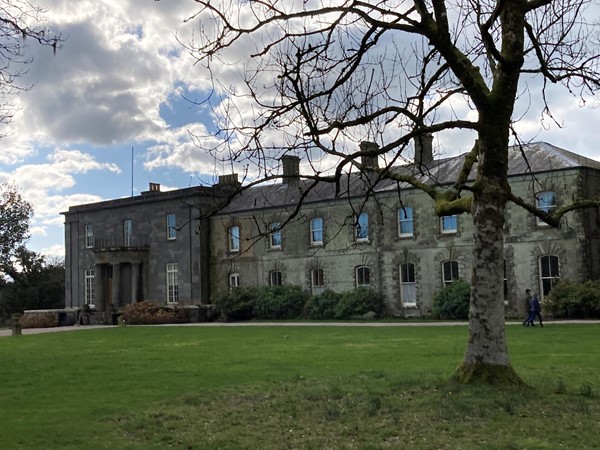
(39, 320)
(280, 303)
(149, 313)
(207, 313)
(322, 307)
(574, 300)
(452, 301)
(237, 304)
(361, 303)
(291, 302)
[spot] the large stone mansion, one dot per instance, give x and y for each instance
(184, 247)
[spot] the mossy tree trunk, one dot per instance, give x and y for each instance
(486, 358)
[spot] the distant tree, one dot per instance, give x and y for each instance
(322, 76)
(19, 20)
(15, 215)
(32, 282)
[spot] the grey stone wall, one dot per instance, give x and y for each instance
(575, 243)
(149, 247)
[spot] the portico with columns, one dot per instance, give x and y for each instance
(121, 277)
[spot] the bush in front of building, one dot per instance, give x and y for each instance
(322, 306)
(279, 303)
(238, 304)
(291, 302)
(39, 320)
(361, 303)
(452, 301)
(574, 300)
(149, 313)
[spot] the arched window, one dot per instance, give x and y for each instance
(275, 278)
(234, 280)
(549, 273)
(449, 272)
(363, 276)
(317, 281)
(408, 285)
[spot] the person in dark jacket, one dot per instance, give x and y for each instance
(535, 310)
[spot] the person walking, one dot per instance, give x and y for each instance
(535, 311)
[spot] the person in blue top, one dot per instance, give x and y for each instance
(535, 310)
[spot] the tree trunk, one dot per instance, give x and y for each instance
(486, 358)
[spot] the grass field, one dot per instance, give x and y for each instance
(294, 387)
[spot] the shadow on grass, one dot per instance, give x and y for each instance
(370, 410)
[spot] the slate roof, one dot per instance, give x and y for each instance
(539, 157)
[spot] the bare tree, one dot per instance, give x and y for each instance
(325, 75)
(19, 21)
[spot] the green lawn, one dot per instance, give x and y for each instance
(293, 387)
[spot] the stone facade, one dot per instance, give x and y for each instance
(362, 231)
(123, 251)
(407, 267)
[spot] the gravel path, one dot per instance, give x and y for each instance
(8, 332)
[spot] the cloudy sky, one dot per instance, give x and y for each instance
(121, 81)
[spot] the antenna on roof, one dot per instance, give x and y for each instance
(132, 170)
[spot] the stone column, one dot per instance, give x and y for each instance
(135, 276)
(116, 284)
(145, 278)
(99, 295)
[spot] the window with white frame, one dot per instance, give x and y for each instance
(234, 280)
(89, 236)
(362, 227)
(449, 272)
(363, 276)
(545, 201)
(316, 231)
(408, 285)
(275, 235)
(405, 221)
(275, 278)
(172, 283)
(90, 290)
(171, 227)
(127, 231)
(234, 239)
(549, 273)
(448, 224)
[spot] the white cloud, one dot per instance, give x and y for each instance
(121, 61)
(38, 231)
(55, 251)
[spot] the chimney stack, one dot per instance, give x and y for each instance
(228, 180)
(424, 150)
(291, 168)
(369, 161)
